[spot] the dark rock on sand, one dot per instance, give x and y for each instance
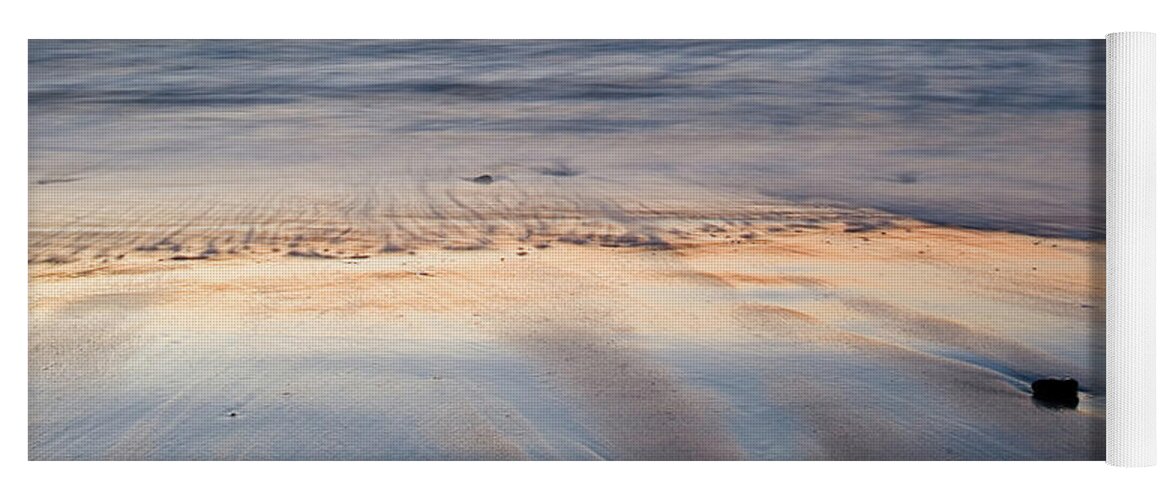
(1057, 392)
(483, 179)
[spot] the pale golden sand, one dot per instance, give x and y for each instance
(700, 339)
(563, 249)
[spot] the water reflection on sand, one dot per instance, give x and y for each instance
(568, 352)
(716, 249)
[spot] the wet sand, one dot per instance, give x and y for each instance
(597, 249)
(653, 331)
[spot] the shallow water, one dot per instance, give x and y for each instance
(681, 250)
(992, 134)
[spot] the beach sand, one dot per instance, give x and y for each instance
(565, 249)
(766, 331)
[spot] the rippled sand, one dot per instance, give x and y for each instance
(524, 249)
(500, 326)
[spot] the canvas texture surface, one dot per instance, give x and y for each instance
(567, 250)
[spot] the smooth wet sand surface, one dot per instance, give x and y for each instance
(716, 340)
(564, 249)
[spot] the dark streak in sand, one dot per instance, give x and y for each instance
(643, 411)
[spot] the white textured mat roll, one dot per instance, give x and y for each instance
(1130, 161)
